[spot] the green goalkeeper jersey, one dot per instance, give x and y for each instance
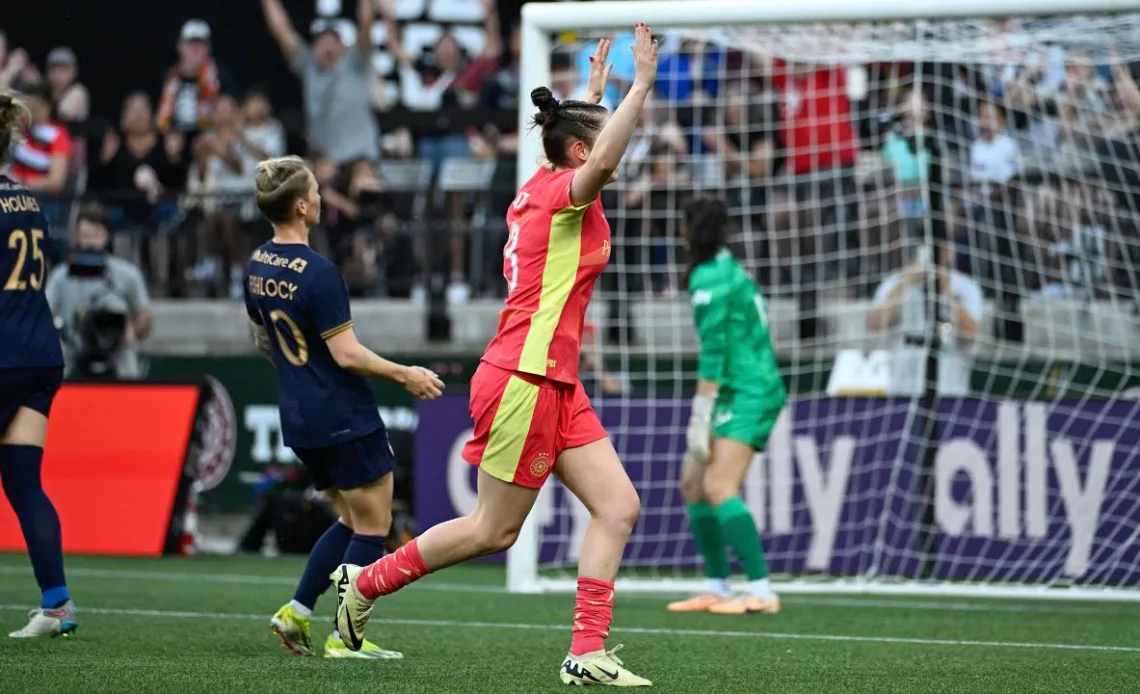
(732, 324)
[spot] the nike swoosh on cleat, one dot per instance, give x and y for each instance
(611, 675)
(342, 586)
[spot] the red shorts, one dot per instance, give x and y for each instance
(522, 423)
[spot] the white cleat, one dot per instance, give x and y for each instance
(352, 608)
(600, 668)
(58, 621)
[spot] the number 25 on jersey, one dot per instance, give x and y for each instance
(26, 243)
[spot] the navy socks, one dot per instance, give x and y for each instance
(20, 474)
(365, 549)
(327, 554)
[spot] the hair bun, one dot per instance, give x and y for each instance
(543, 99)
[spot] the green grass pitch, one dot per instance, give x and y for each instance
(183, 626)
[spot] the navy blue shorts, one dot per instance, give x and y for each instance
(31, 388)
(350, 464)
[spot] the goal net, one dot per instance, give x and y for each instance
(917, 198)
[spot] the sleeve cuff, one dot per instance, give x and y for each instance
(334, 331)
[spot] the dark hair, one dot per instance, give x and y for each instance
(999, 110)
(12, 111)
(564, 122)
(39, 90)
(281, 182)
(255, 93)
(707, 226)
(93, 213)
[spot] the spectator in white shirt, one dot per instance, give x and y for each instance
(228, 165)
(900, 306)
(994, 156)
(262, 136)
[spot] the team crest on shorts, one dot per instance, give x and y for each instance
(540, 465)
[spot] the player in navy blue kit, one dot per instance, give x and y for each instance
(31, 370)
(299, 312)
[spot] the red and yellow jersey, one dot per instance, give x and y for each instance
(555, 252)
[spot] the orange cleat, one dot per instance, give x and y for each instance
(697, 603)
(748, 604)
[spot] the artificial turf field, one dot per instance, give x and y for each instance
(181, 626)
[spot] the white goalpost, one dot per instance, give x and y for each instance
(861, 145)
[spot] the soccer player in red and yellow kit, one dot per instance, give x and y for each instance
(532, 416)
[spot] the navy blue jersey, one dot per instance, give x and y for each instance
(301, 299)
(28, 337)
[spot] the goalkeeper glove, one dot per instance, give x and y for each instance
(697, 436)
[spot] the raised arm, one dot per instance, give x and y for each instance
(282, 29)
(1127, 91)
(608, 149)
(365, 14)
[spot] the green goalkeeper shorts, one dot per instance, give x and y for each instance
(748, 420)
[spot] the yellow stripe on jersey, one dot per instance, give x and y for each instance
(337, 330)
(509, 429)
(563, 257)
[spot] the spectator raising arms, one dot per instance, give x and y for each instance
(194, 84)
(9, 65)
(70, 98)
(337, 83)
(16, 70)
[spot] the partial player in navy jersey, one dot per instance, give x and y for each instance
(299, 314)
(31, 370)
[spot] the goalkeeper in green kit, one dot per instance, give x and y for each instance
(739, 396)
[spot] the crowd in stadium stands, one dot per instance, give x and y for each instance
(826, 163)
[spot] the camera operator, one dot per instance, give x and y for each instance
(100, 303)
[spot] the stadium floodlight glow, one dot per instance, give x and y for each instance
(1039, 479)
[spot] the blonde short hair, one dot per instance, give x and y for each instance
(280, 183)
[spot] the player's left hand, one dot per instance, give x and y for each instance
(698, 440)
(698, 435)
(599, 72)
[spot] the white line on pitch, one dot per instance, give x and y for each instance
(638, 630)
(856, 603)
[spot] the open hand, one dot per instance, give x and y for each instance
(644, 56)
(600, 67)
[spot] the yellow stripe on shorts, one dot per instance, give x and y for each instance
(509, 429)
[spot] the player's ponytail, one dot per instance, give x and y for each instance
(707, 226)
(564, 122)
(543, 99)
(12, 113)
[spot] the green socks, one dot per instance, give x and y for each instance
(707, 535)
(739, 530)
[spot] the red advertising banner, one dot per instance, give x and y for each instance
(114, 466)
